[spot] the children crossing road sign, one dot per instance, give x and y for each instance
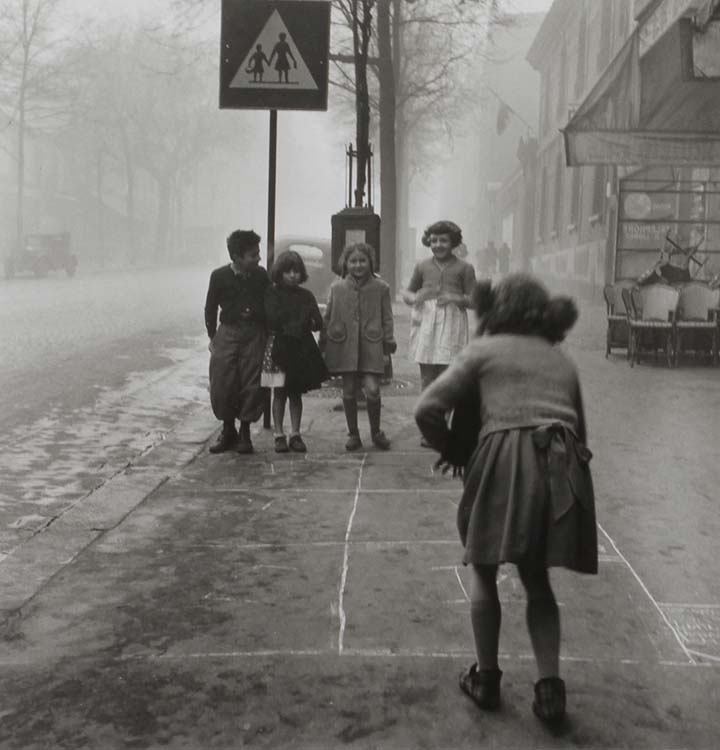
(274, 55)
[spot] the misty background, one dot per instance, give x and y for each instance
(123, 144)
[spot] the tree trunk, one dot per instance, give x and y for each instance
(163, 218)
(20, 193)
(361, 40)
(405, 246)
(99, 213)
(388, 174)
(131, 235)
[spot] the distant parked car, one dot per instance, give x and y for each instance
(315, 252)
(41, 253)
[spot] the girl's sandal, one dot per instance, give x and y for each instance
(549, 703)
(483, 686)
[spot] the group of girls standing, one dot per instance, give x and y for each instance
(356, 333)
(517, 433)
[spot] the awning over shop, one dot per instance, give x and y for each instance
(648, 111)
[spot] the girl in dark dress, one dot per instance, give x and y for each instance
(518, 436)
(293, 364)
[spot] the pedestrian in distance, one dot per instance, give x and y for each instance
(292, 364)
(237, 344)
(358, 333)
(491, 259)
(504, 259)
(439, 292)
(518, 439)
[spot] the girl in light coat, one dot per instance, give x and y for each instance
(358, 333)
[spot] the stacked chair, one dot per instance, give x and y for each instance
(651, 313)
(697, 317)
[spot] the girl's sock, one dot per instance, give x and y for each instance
(485, 616)
(374, 407)
(350, 408)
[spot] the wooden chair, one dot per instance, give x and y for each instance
(652, 322)
(617, 319)
(698, 314)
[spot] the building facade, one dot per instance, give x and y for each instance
(628, 141)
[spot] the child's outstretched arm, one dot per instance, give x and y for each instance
(414, 295)
(455, 388)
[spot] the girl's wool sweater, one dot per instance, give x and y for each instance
(513, 381)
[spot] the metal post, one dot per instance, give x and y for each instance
(272, 164)
(350, 179)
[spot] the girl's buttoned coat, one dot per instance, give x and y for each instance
(358, 321)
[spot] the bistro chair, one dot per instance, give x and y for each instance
(617, 318)
(652, 322)
(698, 316)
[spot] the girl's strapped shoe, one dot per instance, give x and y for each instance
(281, 444)
(353, 443)
(549, 703)
(381, 441)
(297, 445)
(482, 685)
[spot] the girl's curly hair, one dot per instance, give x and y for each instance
(520, 304)
(443, 227)
(361, 247)
(288, 261)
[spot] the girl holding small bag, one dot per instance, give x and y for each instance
(293, 364)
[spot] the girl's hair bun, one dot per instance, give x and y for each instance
(560, 316)
(483, 297)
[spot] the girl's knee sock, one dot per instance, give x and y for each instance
(374, 407)
(350, 408)
(485, 616)
(543, 622)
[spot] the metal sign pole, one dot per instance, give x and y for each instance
(272, 164)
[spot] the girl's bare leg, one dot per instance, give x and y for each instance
(278, 410)
(543, 620)
(296, 410)
(350, 389)
(485, 615)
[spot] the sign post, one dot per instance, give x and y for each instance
(274, 55)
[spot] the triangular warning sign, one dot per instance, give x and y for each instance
(274, 62)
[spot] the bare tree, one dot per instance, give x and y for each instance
(29, 69)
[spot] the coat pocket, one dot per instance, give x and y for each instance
(373, 332)
(336, 332)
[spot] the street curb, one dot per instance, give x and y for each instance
(34, 563)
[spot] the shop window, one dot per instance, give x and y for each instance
(605, 41)
(598, 196)
(575, 196)
(542, 215)
(557, 207)
(700, 51)
(580, 71)
(545, 105)
(562, 114)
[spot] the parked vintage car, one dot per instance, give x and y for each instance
(40, 254)
(315, 252)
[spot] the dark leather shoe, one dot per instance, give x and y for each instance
(297, 444)
(226, 442)
(353, 443)
(244, 446)
(281, 445)
(381, 441)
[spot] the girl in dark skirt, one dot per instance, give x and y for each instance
(517, 436)
(292, 364)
